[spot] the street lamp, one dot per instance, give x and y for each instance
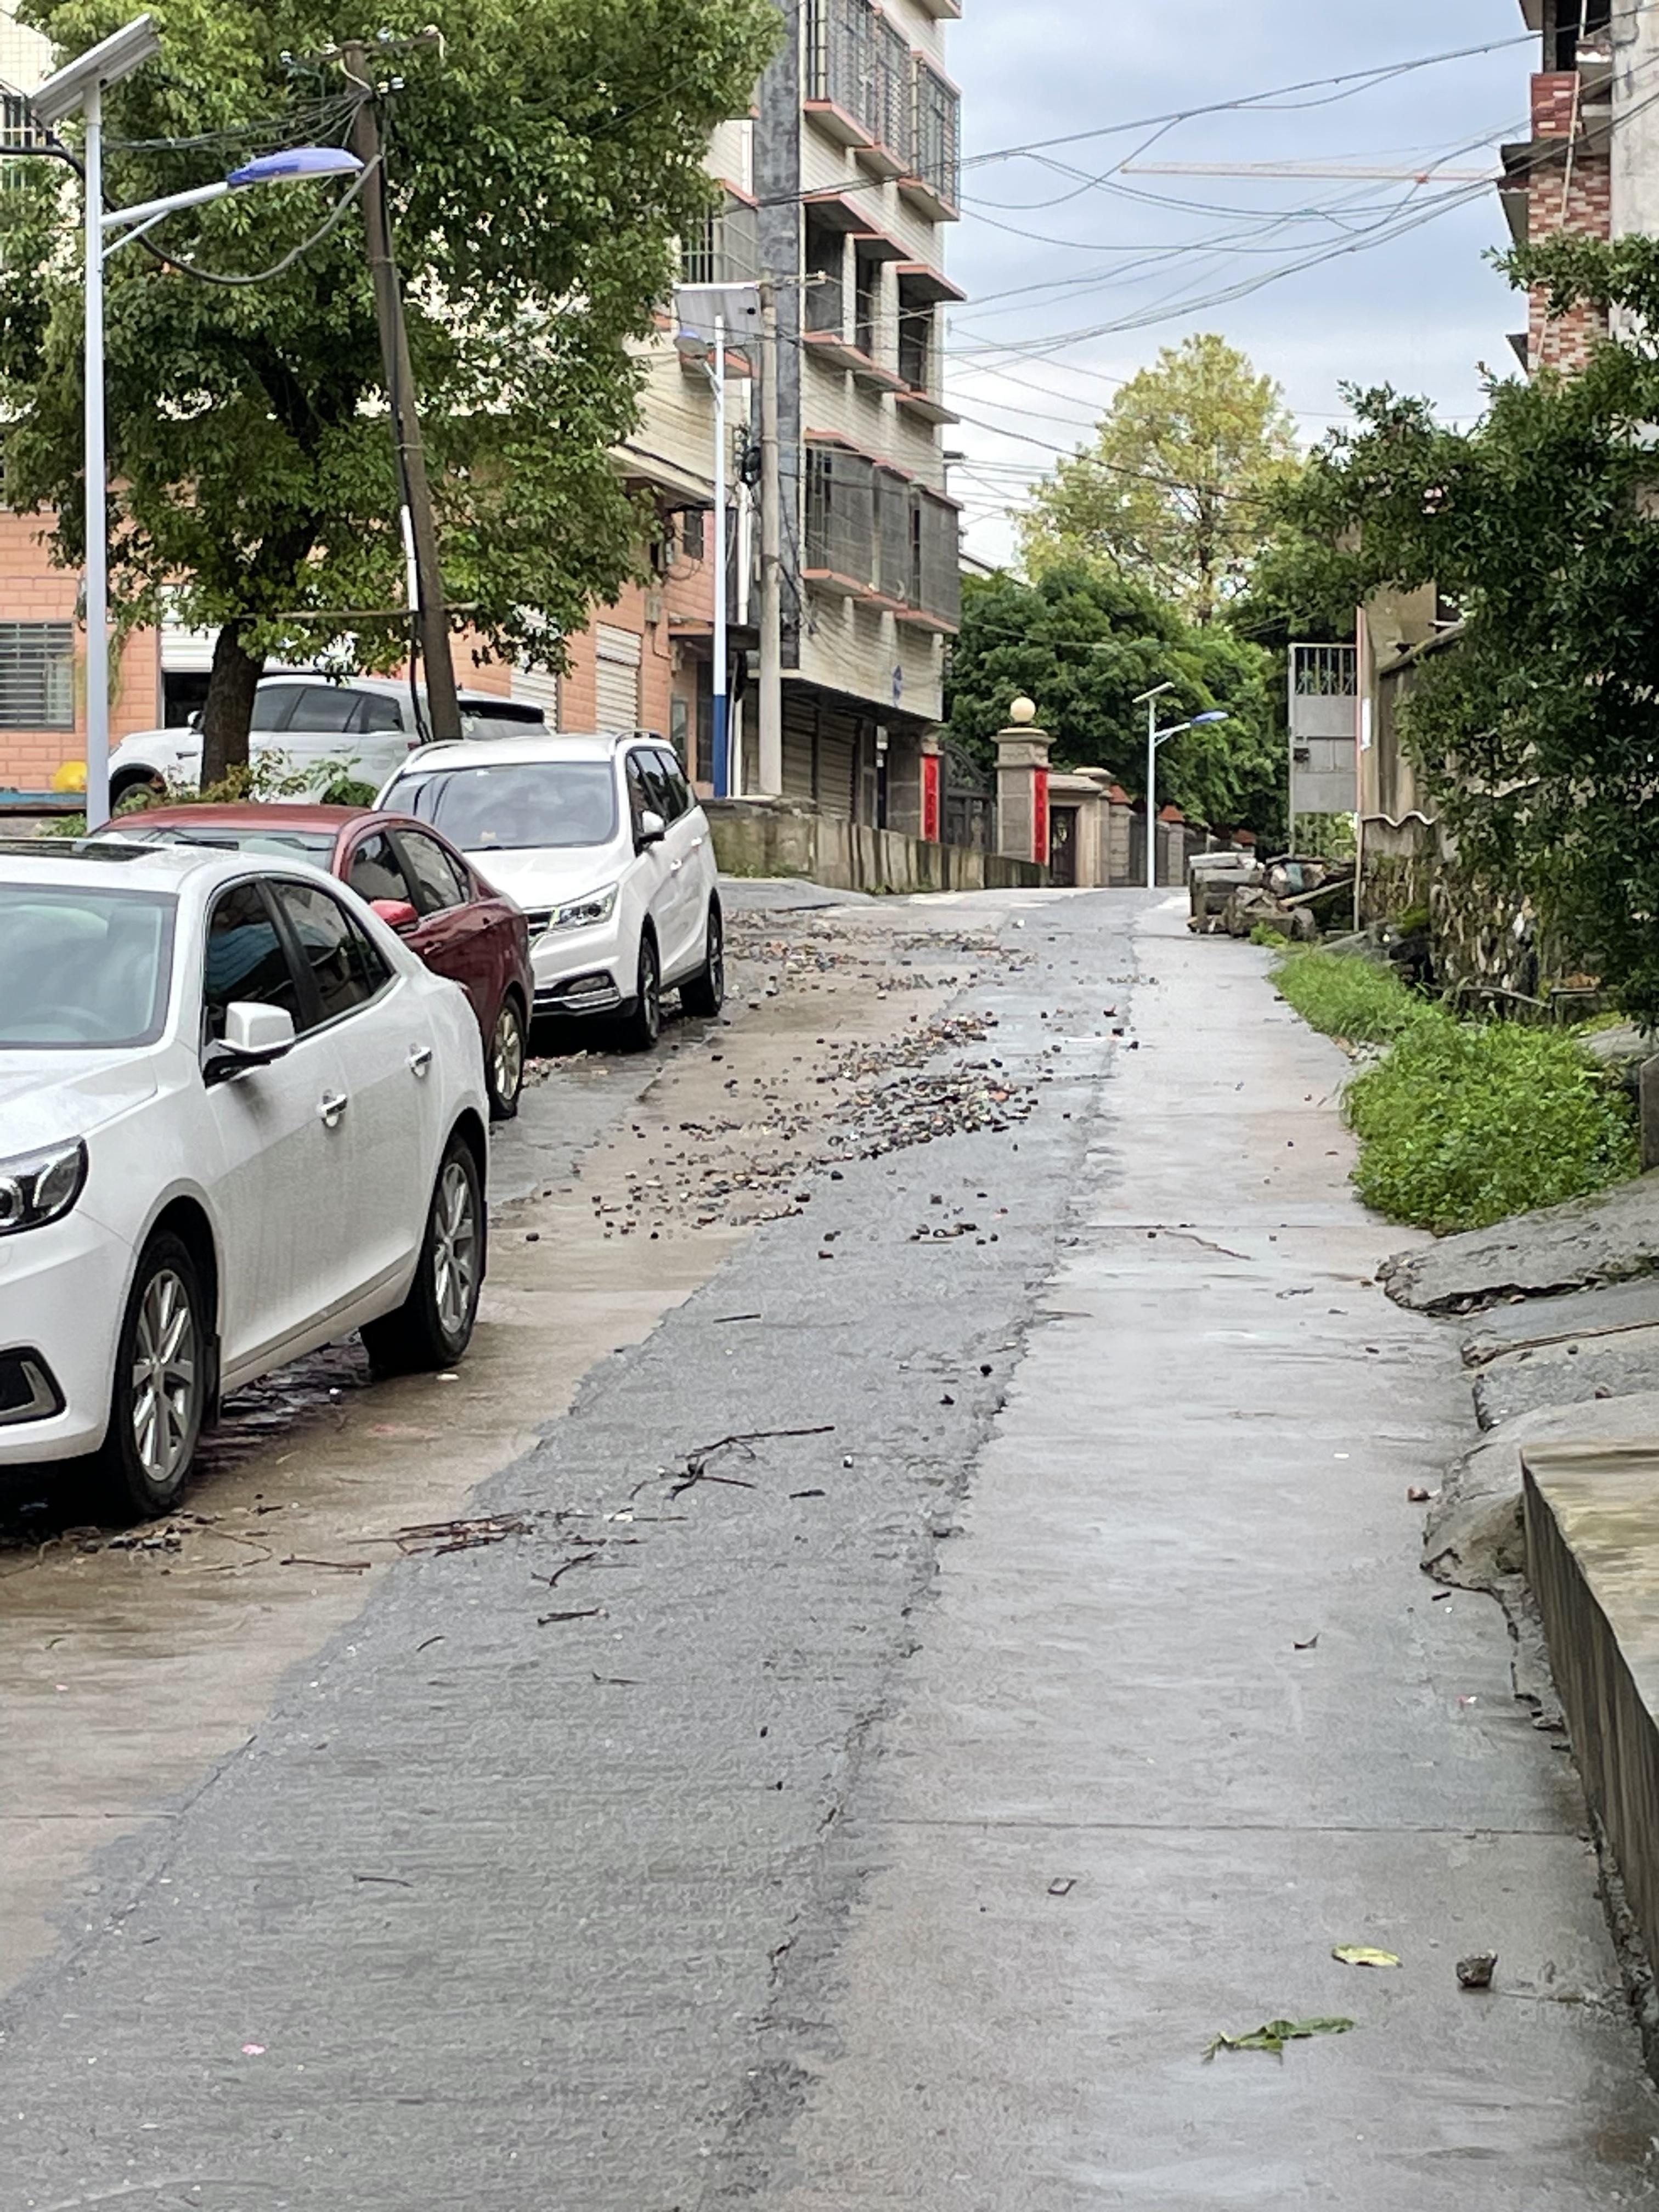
(707, 313)
(1155, 738)
(82, 85)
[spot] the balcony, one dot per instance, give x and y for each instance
(933, 187)
(839, 74)
(892, 110)
(824, 322)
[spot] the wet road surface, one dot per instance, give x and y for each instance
(883, 1813)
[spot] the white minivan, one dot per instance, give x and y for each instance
(602, 842)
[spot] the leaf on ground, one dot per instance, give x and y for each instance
(1361, 1954)
(1274, 2034)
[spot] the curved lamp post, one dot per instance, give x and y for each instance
(80, 86)
(1155, 738)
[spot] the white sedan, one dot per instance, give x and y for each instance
(238, 1120)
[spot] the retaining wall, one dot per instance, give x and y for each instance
(768, 837)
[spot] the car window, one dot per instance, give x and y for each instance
(439, 884)
(639, 800)
(326, 707)
(659, 796)
(679, 791)
(347, 971)
(246, 960)
(82, 967)
(515, 805)
(377, 871)
(378, 712)
(272, 705)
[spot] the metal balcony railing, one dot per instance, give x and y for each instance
(825, 302)
(840, 56)
(938, 142)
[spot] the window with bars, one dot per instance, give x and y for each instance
(937, 145)
(841, 36)
(37, 676)
(893, 119)
(725, 247)
(938, 551)
(841, 514)
(915, 340)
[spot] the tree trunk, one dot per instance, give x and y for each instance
(230, 709)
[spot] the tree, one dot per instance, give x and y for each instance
(540, 168)
(1539, 736)
(1175, 490)
(1084, 643)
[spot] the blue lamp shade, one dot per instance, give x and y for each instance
(1198, 720)
(296, 162)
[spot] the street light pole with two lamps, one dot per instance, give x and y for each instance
(82, 85)
(1157, 738)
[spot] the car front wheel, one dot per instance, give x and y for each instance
(703, 994)
(643, 1026)
(434, 1326)
(161, 1367)
(504, 1056)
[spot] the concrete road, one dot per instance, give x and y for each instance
(887, 1813)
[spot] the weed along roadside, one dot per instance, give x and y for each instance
(1462, 1123)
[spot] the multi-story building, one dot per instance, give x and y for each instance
(857, 174)
(1591, 165)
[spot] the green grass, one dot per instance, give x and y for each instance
(1344, 996)
(1463, 1123)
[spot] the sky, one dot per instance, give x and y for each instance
(1031, 365)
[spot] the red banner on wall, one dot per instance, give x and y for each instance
(1040, 815)
(931, 803)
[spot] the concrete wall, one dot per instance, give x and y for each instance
(753, 837)
(1592, 1521)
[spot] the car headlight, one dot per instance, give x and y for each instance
(585, 912)
(36, 1187)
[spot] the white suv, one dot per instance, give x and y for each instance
(362, 728)
(238, 1119)
(602, 842)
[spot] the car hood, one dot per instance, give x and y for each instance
(48, 1097)
(547, 877)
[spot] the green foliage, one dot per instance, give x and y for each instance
(1083, 643)
(1342, 995)
(1466, 1123)
(1537, 737)
(1173, 491)
(539, 171)
(1461, 1124)
(1326, 836)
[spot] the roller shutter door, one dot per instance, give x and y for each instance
(800, 728)
(617, 679)
(838, 752)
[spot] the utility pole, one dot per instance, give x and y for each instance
(420, 531)
(771, 591)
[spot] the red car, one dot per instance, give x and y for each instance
(418, 884)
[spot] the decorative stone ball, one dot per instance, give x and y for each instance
(1022, 711)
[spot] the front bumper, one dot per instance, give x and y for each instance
(62, 1292)
(577, 969)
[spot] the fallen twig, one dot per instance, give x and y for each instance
(589, 1612)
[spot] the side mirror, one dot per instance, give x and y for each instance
(395, 914)
(652, 831)
(254, 1037)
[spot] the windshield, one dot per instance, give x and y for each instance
(83, 968)
(518, 805)
(316, 846)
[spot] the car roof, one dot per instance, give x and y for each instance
(108, 861)
(534, 745)
(396, 687)
(247, 814)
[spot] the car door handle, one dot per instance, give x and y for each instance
(331, 1108)
(674, 866)
(420, 1060)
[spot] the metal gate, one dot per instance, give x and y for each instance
(969, 811)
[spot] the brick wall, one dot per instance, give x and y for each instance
(32, 590)
(1570, 190)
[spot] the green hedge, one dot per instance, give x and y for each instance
(1463, 1123)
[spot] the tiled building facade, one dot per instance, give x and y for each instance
(1561, 178)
